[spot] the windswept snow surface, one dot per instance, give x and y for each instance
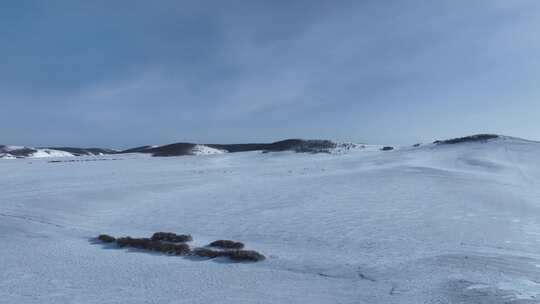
(432, 224)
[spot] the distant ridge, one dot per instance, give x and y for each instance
(186, 148)
(176, 149)
(83, 151)
(296, 145)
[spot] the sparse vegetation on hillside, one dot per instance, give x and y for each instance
(472, 138)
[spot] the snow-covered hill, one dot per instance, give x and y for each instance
(205, 150)
(11, 152)
(183, 149)
(434, 223)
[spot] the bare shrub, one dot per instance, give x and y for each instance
(123, 241)
(244, 255)
(227, 244)
(181, 249)
(153, 245)
(171, 237)
(207, 253)
(142, 243)
(106, 238)
(166, 247)
(233, 250)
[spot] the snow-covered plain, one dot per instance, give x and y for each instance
(430, 224)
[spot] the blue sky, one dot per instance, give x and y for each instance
(127, 73)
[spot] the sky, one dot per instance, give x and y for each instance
(120, 74)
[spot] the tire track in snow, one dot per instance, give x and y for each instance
(30, 219)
